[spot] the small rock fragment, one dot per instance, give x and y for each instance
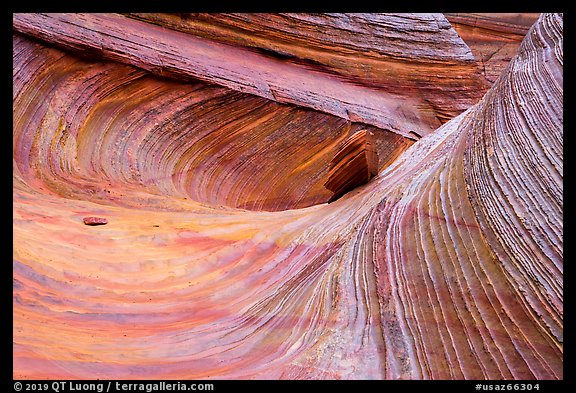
(93, 221)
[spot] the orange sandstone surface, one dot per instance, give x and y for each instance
(285, 197)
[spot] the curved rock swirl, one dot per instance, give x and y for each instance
(399, 81)
(87, 130)
(448, 264)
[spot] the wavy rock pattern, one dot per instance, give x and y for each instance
(447, 264)
(493, 38)
(354, 164)
(438, 80)
(104, 126)
(383, 51)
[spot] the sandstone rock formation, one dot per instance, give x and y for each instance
(354, 164)
(493, 38)
(381, 75)
(221, 258)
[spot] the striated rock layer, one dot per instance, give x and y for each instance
(354, 164)
(493, 38)
(88, 130)
(424, 73)
(446, 265)
(403, 55)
